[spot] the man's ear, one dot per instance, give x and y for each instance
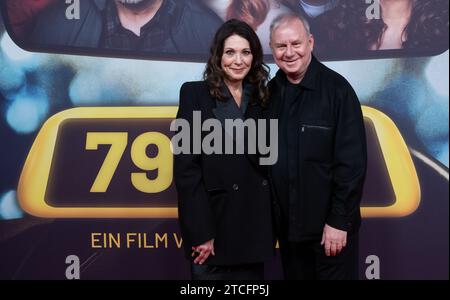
(311, 41)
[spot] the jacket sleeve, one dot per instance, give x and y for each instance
(350, 161)
(194, 211)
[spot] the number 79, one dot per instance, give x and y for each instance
(163, 162)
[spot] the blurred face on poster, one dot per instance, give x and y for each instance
(292, 47)
(183, 30)
(237, 58)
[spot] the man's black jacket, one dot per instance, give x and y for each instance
(332, 154)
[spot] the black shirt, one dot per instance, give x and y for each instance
(153, 34)
(178, 27)
(286, 170)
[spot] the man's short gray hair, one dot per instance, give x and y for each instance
(288, 17)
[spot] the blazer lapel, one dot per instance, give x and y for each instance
(226, 110)
(254, 112)
(229, 110)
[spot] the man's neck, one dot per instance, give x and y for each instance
(295, 79)
(134, 16)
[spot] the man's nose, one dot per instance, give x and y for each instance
(289, 51)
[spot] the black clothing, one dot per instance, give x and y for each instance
(239, 272)
(322, 133)
(222, 197)
(307, 261)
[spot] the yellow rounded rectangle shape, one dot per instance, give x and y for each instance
(34, 178)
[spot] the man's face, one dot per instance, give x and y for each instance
(292, 48)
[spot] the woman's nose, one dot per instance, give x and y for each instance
(238, 59)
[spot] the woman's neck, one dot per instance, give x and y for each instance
(396, 11)
(235, 88)
(396, 16)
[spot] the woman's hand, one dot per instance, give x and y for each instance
(203, 252)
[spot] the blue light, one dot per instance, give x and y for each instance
(11, 77)
(25, 114)
(443, 154)
(13, 51)
(437, 73)
(9, 207)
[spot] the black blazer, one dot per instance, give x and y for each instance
(222, 197)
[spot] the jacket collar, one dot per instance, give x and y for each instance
(310, 81)
(228, 109)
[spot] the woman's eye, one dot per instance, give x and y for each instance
(229, 52)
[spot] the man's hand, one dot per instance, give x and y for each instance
(203, 252)
(334, 240)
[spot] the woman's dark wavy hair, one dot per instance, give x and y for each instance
(347, 28)
(259, 72)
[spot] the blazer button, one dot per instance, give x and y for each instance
(265, 182)
(235, 187)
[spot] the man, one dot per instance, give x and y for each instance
(318, 179)
(156, 26)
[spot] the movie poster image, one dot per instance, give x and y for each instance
(72, 68)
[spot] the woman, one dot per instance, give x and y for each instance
(403, 24)
(224, 200)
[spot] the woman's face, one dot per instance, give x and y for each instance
(237, 58)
